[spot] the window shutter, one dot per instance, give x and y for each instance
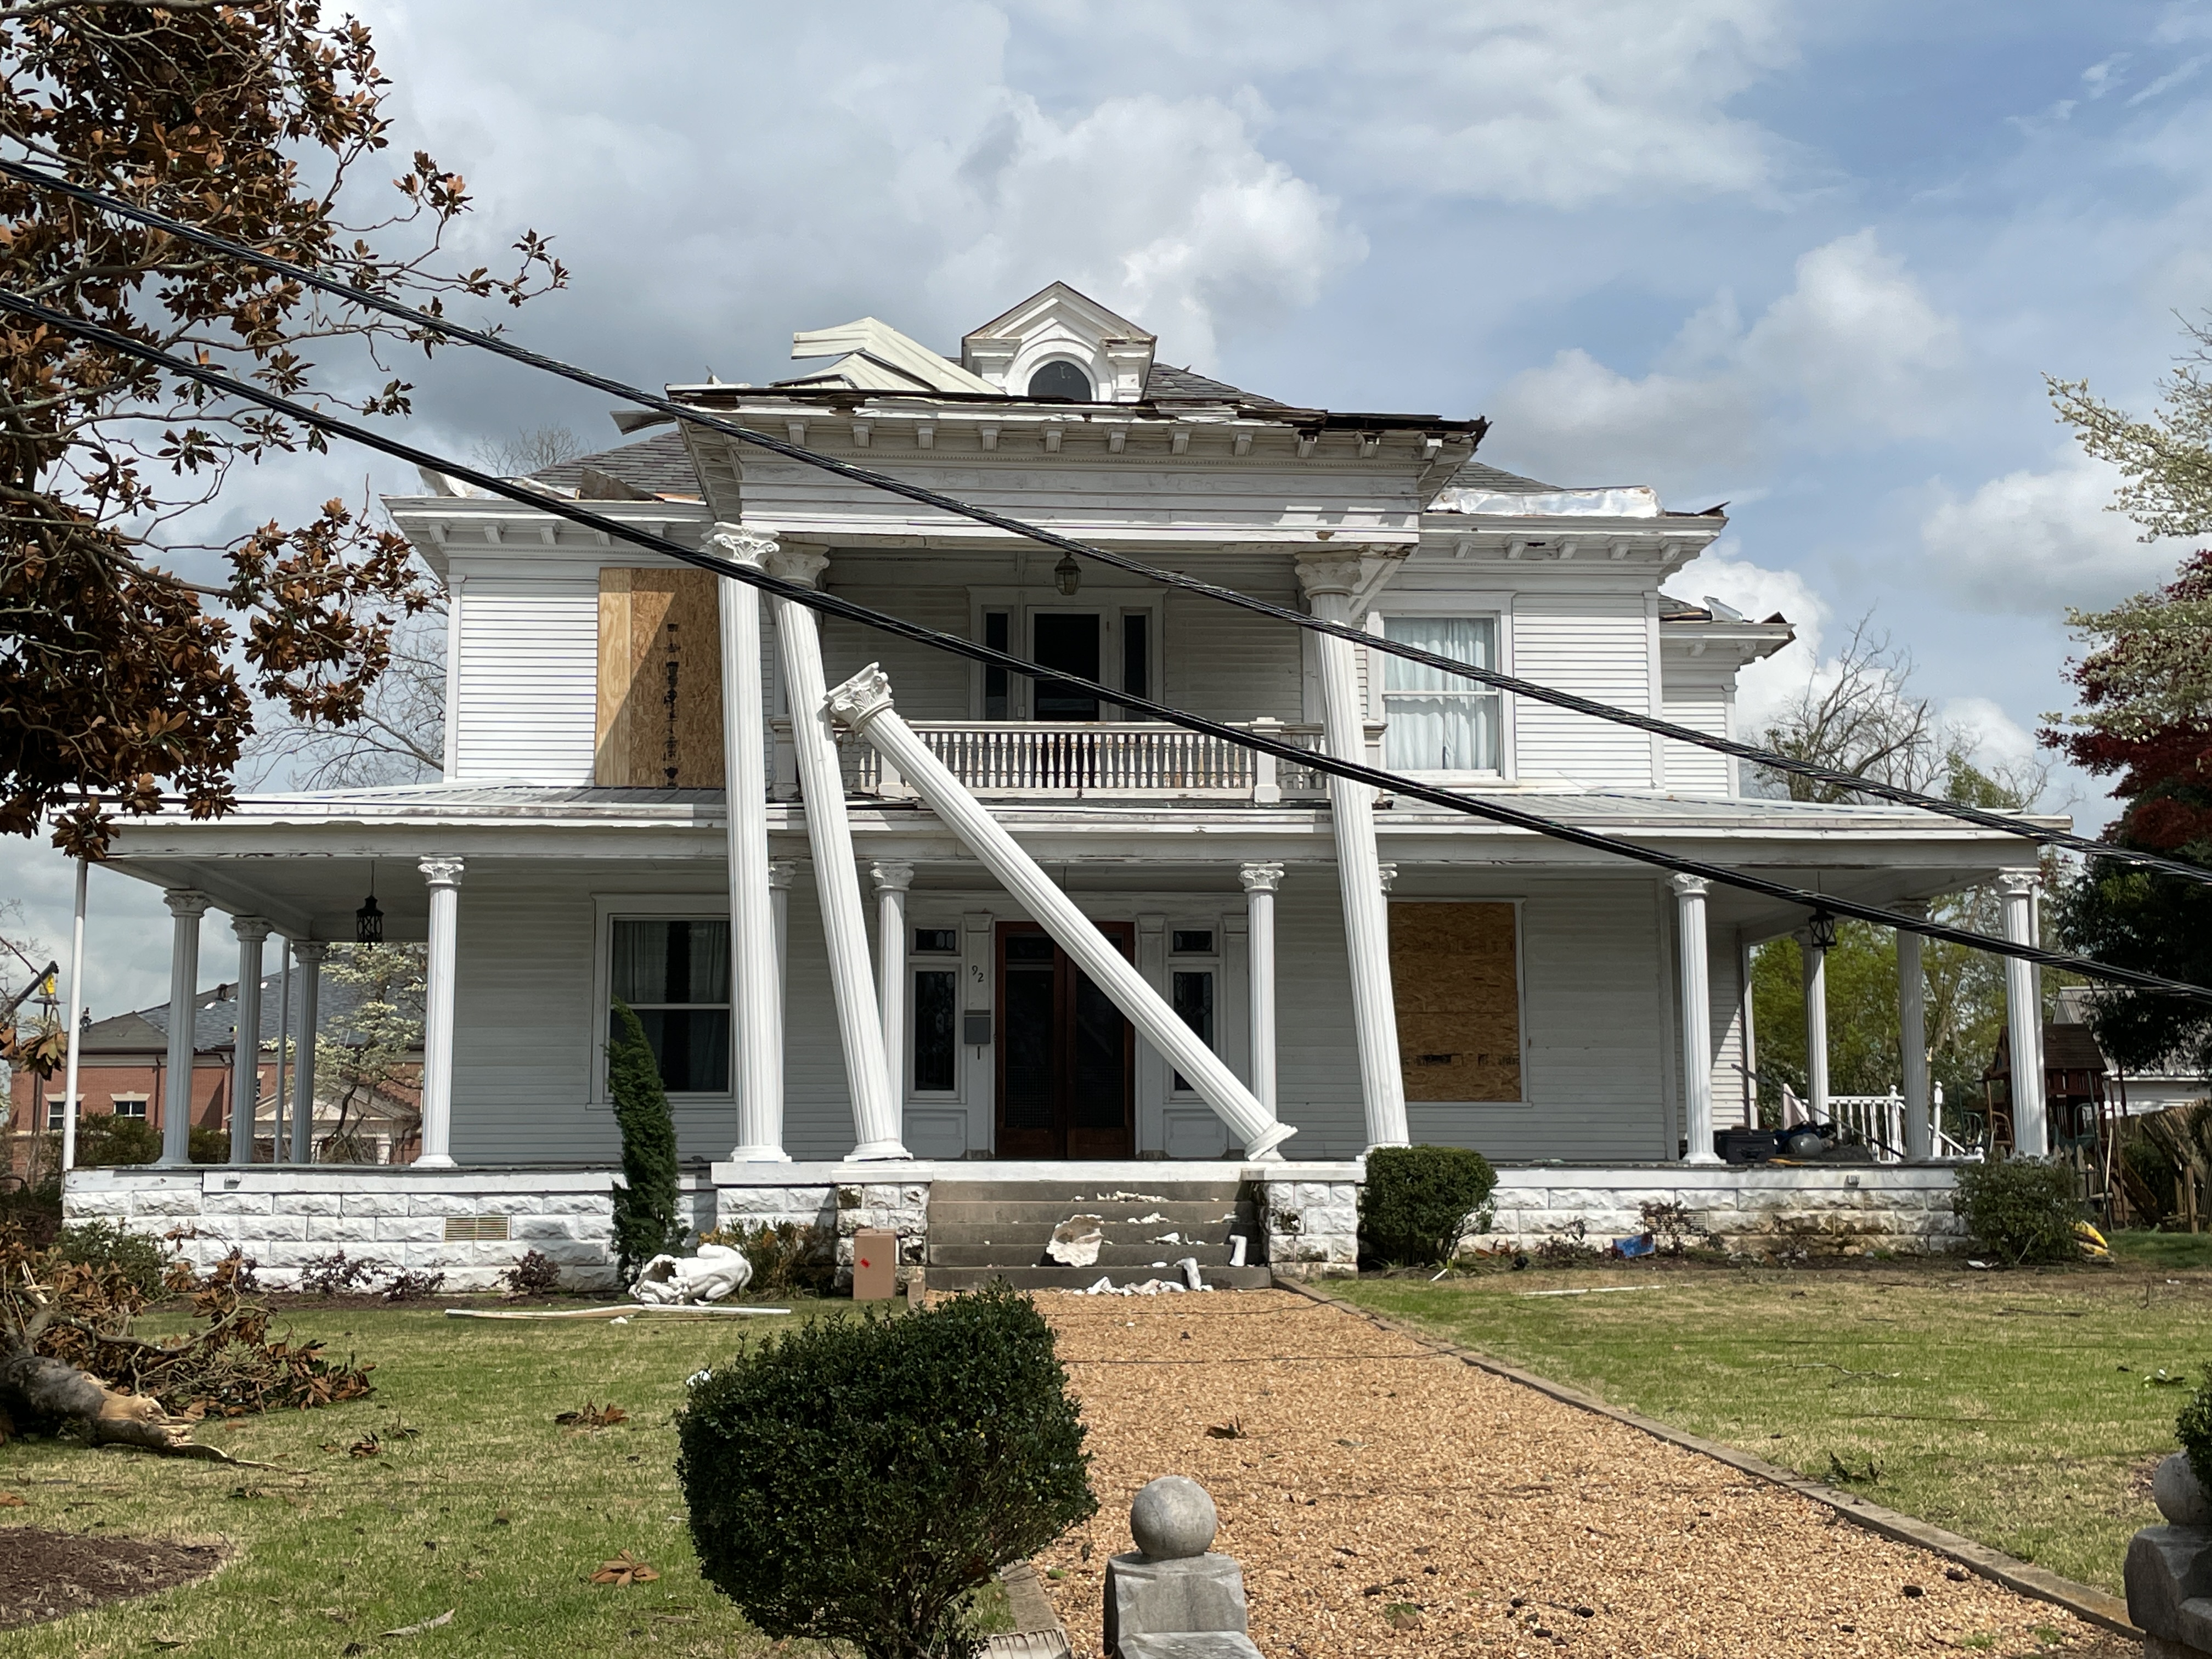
(660, 708)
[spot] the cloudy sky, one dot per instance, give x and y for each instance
(1811, 260)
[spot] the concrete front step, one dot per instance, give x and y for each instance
(997, 1229)
(1043, 1217)
(1078, 1278)
(1109, 1255)
(1084, 1192)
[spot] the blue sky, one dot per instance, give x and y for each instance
(1812, 260)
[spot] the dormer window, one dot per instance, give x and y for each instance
(1061, 378)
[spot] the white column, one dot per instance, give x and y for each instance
(863, 702)
(1816, 1027)
(284, 1052)
(1696, 1016)
(444, 878)
(75, 1012)
(837, 880)
(783, 875)
(246, 1044)
(756, 987)
(1330, 584)
(187, 907)
(892, 877)
(2031, 1128)
(1913, 1037)
(310, 952)
(1260, 882)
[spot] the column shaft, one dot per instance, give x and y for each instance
(1912, 1040)
(70, 1105)
(1261, 881)
(1696, 975)
(892, 878)
(187, 907)
(444, 875)
(1816, 1029)
(310, 952)
(2031, 1126)
(277, 1148)
(245, 1043)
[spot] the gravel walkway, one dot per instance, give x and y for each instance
(1384, 1499)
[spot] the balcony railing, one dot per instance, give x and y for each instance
(1076, 761)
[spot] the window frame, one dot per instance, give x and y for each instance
(1474, 606)
(1110, 605)
(610, 908)
(919, 962)
(1210, 961)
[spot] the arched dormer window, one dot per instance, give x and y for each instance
(1061, 378)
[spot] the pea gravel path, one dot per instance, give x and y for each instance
(1387, 1500)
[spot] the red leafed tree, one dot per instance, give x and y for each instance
(262, 120)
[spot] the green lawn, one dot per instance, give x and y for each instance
(2014, 1407)
(491, 1509)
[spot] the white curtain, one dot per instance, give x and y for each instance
(1440, 722)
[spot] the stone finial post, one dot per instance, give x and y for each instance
(1172, 1595)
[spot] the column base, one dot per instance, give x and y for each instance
(878, 1150)
(1705, 1160)
(435, 1161)
(174, 1164)
(759, 1155)
(1261, 1148)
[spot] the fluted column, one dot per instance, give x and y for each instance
(1260, 882)
(1696, 973)
(1330, 583)
(187, 908)
(444, 878)
(783, 875)
(2031, 1125)
(245, 1045)
(892, 877)
(756, 988)
(309, 953)
(1913, 1037)
(1814, 961)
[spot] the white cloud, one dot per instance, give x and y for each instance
(1994, 739)
(2033, 543)
(1854, 352)
(1764, 687)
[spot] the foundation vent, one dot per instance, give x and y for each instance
(475, 1229)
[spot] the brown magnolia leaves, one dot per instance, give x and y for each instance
(624, 1569)
(592, 1416)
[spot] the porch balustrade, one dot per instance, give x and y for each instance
(1045, 760)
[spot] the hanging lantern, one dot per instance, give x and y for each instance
(1821, 930)
(1067, 576)
(369, 920)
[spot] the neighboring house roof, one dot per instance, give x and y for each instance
(215, 1019)
(2067, 1046)
(657, 467)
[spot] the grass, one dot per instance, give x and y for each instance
(489, 1509)
(2016, 1407)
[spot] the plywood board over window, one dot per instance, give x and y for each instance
(659, 713)
(1455, 970)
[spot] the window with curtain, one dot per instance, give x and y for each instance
(674, 975)
(1440, 722)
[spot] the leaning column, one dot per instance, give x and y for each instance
(1261, 881)
(863, 702)
(755, 991)
(245, 1041)
(1329, 584)
(187, 907)
(2031, 1127)
(1913, 1037)
(892, 877)
(837, 880)
(1696, 1016)
(444, 877)
(1815, 962)
(310, 953)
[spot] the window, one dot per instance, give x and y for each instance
(1192, 942)
(674, 975)
(1440, 722)
(1190, 988)
(936, 1039)
(56, 1111)
(1061, 378)
(129, 1105)
(996, 631)
(937, 941)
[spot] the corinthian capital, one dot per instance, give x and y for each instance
(861, 698)
(803, 565)
(739, 545)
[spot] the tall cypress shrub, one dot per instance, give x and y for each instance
(647, 1218)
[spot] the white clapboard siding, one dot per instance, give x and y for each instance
(1692, 770)
(529, 676)
(928, 684)
(817, 1121)
(1318, 1064)
(1228, 665)
(1730, 1086)
(1597, 646)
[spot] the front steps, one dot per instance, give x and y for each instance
(981, 1231)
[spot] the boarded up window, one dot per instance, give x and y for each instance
(660, 716)
(1453, 968)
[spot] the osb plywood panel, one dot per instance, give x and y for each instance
(660, 706)
(1452, 969)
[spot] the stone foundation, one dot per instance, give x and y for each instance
(847, 1207)
(1313, 1228)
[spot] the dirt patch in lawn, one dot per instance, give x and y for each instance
(50, 1575)
(1387, 1499)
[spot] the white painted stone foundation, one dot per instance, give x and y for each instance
(1313, 1226)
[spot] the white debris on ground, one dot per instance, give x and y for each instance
(1168, 1238)
(1131, 1198)
(715, 1272)
(1192, 1280)
(1075, 1242)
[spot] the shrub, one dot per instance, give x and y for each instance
(2022, 1209)
(335, 1275)
(787, 1256)
(1673, 1228)
(35, 1208)
(648, 1221)
(413, 1286)
(856, 1479)
(536, 1274)
(207, 1146)
(104, 1141)
(1418, 1201)
(140, 1259)
(2193, 1429)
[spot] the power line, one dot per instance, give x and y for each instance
(353, 295)
(835, 605)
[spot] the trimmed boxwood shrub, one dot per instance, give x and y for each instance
(2192, 1427)
(1416, 1200)
(648, 1220)
(855, 1479)
(2020, 1209)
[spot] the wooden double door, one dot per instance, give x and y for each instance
(1066, 1058)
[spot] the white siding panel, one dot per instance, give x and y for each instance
(1597, 647)
(1692, 770)
(1317, 1058)
(529, 679)
(524, 1027)
(1727, 993)
(928, 684)
(1228, 665)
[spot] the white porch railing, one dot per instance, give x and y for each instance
(1879, 1120)
(1043, 760)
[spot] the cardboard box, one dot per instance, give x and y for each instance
(875, 1265)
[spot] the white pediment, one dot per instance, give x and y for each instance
(1058, 326)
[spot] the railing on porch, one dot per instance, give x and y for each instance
(1879, 1121)
(1048, 760)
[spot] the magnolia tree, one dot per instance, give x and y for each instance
(368, 1059)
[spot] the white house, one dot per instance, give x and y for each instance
(855, 1011)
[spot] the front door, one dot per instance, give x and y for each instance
(1068, 641)
(1068, 1060)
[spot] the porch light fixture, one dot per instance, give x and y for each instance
(1821, 930)
(1067, 576)
(369, 920)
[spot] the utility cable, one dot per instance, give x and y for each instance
(836, 605)
(690, 415)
